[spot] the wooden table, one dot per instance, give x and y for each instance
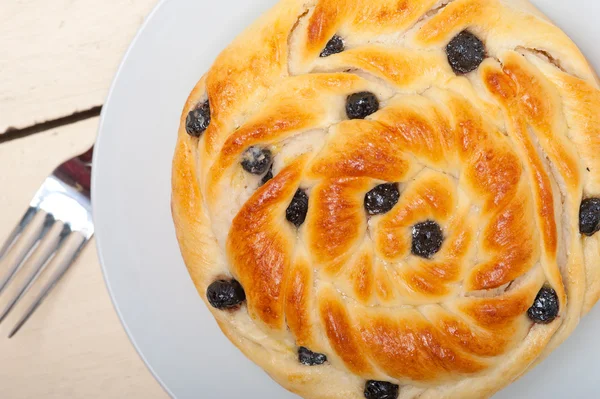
(56, 63)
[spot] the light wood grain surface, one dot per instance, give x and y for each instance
(58, 57)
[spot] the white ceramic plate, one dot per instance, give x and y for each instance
(152, 292)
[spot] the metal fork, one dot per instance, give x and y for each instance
(63, 199)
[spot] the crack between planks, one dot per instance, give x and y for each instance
(12, 133)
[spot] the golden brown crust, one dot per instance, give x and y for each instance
(500, 158)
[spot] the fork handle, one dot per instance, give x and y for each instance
(78, 170)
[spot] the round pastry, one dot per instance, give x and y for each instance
(393, 198)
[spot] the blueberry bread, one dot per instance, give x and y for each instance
(393, 198)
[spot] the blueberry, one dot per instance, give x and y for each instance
(589, 216)
(381, 390)
(360, 105)
(545, 307)
(225, 294)
(334, 45)
(310, 358)
(268, 176)
(465, 52)
(382, 198)
(427, 238)
(256, 160)
(198, 119)
(296, 211)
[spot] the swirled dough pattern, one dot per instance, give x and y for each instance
(465, 266)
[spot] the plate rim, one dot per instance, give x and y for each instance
(94, 194)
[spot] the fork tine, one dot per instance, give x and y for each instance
(27, 217)
(48, 223)
(36, 271)
(48, 287)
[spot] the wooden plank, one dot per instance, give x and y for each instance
(59, 56)
(74, 346)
